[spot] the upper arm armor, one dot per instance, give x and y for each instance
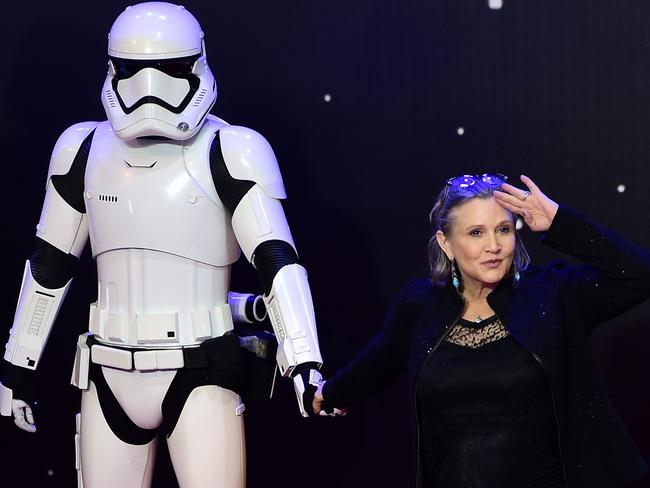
(248, 156)
(248, 182)
(63, 222)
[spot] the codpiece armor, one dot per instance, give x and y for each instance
(168, 196)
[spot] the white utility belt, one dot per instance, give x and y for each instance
(143, 360)
(89, 350)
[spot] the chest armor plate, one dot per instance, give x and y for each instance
(159, 195)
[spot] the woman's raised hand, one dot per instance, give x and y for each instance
(537, 210)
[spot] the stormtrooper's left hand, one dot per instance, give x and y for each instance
(309, 390)
(306, 383)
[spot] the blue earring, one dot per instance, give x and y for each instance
(454, 277)
(517, 276)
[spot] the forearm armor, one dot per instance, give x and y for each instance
(36, 311)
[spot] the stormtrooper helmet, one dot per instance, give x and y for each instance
(158, 81)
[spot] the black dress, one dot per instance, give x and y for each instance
(487, 413)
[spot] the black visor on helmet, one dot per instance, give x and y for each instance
(175, 67)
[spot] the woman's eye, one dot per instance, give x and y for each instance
(475, 233)
(505, 229)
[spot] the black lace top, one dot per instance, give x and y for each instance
(486, 412)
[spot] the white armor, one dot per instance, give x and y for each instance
(155, 221)
(163, 241)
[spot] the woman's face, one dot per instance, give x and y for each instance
(481, 240)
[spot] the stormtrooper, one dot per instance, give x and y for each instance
(168, 196)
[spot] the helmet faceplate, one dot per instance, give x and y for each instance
(158, 81)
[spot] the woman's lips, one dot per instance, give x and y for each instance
(492, 263)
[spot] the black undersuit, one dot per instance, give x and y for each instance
(184, 382)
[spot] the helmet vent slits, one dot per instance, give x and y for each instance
(110, 98)
(200, 97)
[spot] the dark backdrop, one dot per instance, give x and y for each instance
(557, 90)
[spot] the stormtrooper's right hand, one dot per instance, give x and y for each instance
(23, 415)
(17, 396)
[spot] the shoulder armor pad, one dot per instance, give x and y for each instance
(248, 156)
(67, 146)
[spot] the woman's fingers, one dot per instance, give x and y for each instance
(317, 402)
(508, 206)
(336, 412)
(518, 192)
(507, 187)
(534, 206)
(530, 184)
(513, 200)
(514, 191)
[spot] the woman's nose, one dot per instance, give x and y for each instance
(492, 244)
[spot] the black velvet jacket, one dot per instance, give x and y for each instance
(551, 312)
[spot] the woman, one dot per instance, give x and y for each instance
(503, 388)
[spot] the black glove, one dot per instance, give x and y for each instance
(306, 383)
